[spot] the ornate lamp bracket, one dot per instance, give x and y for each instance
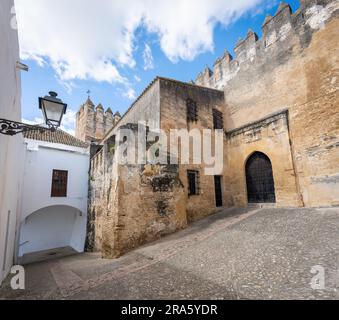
(12, 128)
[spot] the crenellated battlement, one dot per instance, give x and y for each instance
(277, 30)
(92, 123)
(246, 49)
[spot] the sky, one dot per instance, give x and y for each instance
(115, 48)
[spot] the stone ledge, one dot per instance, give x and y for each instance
(258, 124)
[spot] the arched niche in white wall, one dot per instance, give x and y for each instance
(52, 228)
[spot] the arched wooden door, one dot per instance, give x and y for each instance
(259, 179)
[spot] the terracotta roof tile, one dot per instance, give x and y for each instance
(59, 136)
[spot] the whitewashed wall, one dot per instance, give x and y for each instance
(11, 148)
(46, 222)
(53, 227)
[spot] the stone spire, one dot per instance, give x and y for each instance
(100, 107)
(116, 118)
(281, 7)
(109, 110)
(89, 103)
(267, 19)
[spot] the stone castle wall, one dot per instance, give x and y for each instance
(280, 97)
(174, 116)
(123, 210)
(270, 136)
(277, 31)
(134, 204)
(297, 72)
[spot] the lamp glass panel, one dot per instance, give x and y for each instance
(53, 110)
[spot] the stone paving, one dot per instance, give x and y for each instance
(236, 254)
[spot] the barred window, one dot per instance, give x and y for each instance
(192, 110)
(59, 183)
(193, 182)
(218, 119)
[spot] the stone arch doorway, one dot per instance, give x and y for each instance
(259, 179)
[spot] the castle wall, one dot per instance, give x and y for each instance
(100, 121)
(152, 203)
(80, 125)
(146, 109)
(271, 137)
(174, 116)
(86, 122)
(295, 67)
(280, 97)
(124, 209)
(134, 204)
(96, 205)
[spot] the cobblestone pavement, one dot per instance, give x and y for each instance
(236, 254)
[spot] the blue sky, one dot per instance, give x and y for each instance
(148, 50)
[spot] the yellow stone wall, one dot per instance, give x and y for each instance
(305, 83)
(270, 137)
(280, 97)
(174, 116)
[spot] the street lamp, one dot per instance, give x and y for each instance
(53, 110)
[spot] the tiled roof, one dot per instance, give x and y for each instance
(59, 136)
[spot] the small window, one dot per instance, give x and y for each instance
(218, 191)
(218, 119)
(193, 182)
(111, 145)
(192, 111)
(59, 183)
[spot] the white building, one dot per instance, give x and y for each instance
(54, 199)
(11, 148)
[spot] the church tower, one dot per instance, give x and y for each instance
(92, 123)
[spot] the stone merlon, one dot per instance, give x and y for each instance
(276, 30)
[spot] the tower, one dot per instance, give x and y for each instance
(92, 123)
(85, 122)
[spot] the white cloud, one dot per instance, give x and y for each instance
(80, 39)
(68, 122)
(38, 121)
(148, 58)
(137, 79)
(68, 85)
(69, 131)
(130, 94)
(86, 39)
(185, 28)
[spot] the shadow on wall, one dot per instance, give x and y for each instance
(51, 228)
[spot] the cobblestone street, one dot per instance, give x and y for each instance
(236, 254)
